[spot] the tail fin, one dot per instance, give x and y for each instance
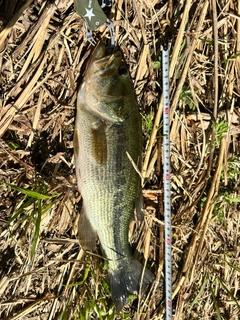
(127, 280)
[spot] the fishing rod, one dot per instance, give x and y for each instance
(166, 175)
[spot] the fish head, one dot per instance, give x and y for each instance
(107, 83)
(107, 72)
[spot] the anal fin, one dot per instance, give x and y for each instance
(87, 235)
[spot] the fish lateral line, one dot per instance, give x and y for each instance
(120, 254)
(105, 258)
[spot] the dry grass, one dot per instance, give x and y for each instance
(43, 54)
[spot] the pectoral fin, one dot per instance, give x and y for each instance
(87, 235)
(99, 142)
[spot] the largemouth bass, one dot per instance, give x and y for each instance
(108, 126)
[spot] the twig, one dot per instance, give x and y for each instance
(172, 66)
(201, 228)
(4, 34)
(215, 37)
(189, 59)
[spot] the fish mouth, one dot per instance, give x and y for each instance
(102, 51)
(109, 61)
(107, 58)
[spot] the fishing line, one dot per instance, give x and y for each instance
(166, 175)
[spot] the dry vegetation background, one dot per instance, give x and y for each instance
(44, 274)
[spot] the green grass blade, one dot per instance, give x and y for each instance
(30, 193)
(233, 199)
(231, 265)
(215, 303)
(37, 230)
(63, 314)
(229, 292)
(86, 272)
(48, 206)
(19, 211)
(232, 57)
(199, 294)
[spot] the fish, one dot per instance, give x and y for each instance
(107, 150)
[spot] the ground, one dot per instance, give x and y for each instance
(44, 273)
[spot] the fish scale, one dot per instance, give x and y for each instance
(100, 183)
(107, 127)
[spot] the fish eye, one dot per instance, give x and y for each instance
(122, 71)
